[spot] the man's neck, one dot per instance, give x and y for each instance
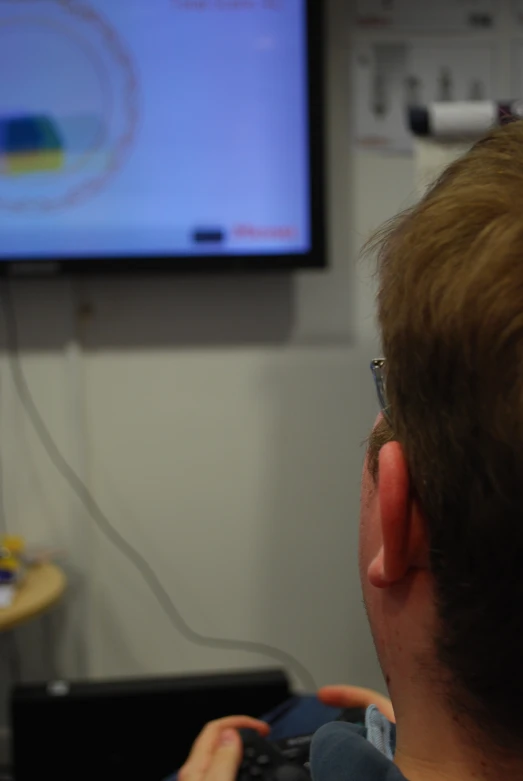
(419, 768)
(434, 745)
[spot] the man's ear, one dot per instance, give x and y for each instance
(404, 544)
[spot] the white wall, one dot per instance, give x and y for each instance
(219, 423)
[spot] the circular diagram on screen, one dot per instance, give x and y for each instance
(68, 104)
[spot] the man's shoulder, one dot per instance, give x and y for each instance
(342, 752)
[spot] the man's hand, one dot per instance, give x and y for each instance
(355, 697)
(217, 752)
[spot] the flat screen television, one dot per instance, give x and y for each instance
(161, 135)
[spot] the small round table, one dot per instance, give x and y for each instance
(43, 586)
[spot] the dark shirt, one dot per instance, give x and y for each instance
(341, 752)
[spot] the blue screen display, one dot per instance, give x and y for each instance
(153, 128)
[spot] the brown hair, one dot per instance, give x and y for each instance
(451, 317)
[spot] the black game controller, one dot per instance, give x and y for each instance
(283, 760)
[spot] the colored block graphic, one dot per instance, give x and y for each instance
(29, 144)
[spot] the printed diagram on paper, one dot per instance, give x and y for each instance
(427, 15)
(390, 77)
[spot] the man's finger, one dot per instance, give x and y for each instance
(227, 758)
(356, 697)
(205, 744)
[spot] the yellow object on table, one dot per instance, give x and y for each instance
(42, 587)
(11, 551)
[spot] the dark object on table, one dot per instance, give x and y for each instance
(127, 730)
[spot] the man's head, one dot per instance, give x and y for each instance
(441, 550)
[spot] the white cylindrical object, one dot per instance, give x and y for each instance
(462, 119)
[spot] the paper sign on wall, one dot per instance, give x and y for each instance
(427, 15)
(390, 77)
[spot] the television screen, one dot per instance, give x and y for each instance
(160, 134)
